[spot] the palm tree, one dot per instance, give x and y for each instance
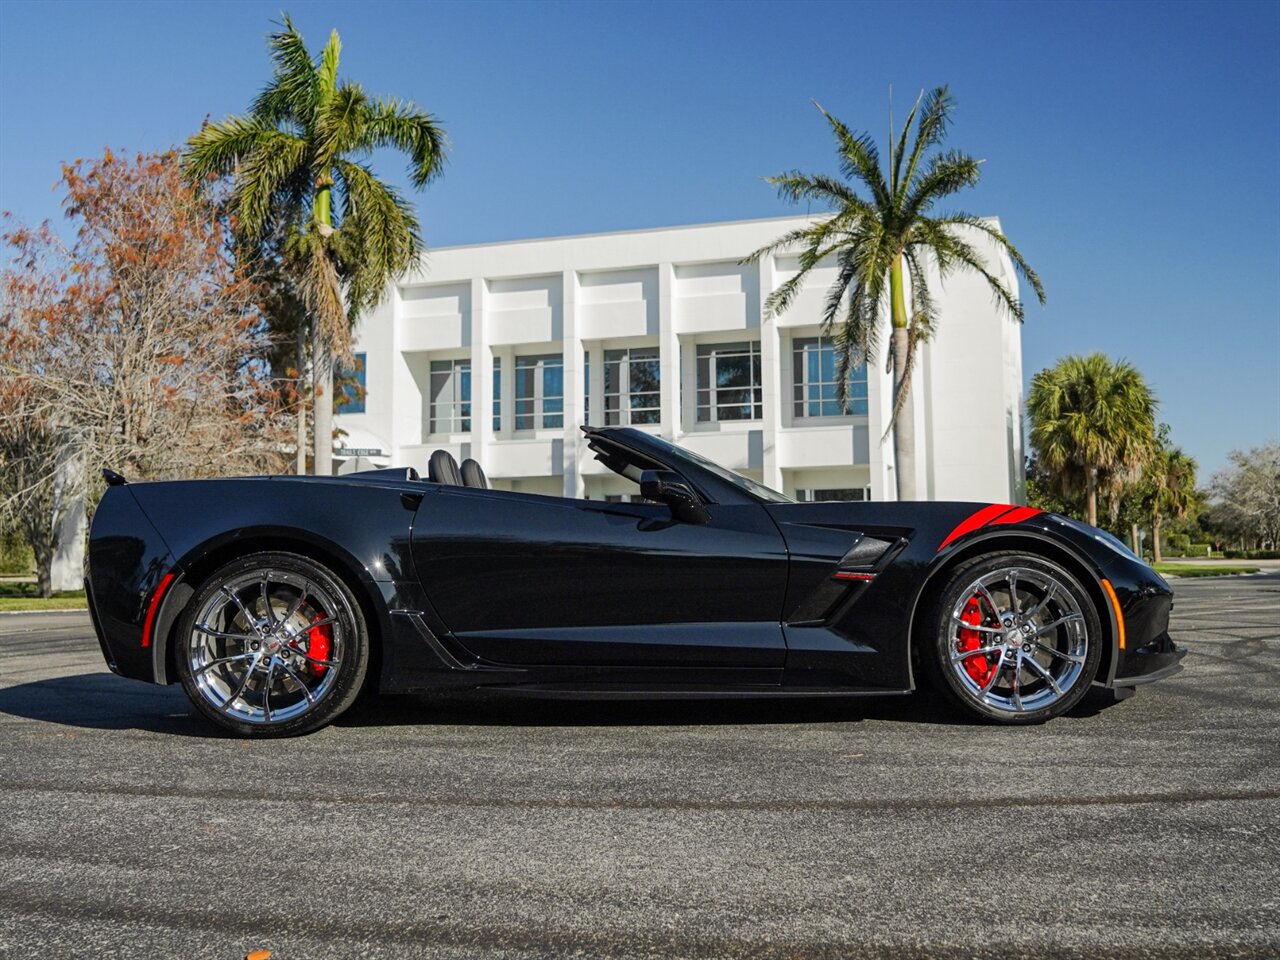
(882, 243)
(1172, 489)
(296, 163)
(1092, 424)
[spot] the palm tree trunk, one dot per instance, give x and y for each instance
(1091, 495)
(1156, 520)
(322, 406)
(302, 404)
(1133, 539)
(904, 428)
(904, 425)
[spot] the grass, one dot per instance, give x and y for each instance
(1197, 570)
(22, 596)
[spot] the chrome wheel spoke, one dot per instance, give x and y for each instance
(267, 613)
(244, 682)
(1048, 595)
(1069, 618)
(1044, 674)
(223, 635)
(266, 690)
(1017, 683)
(249, 619)
(978, 627)
(221, 660)
(306, 691)
(293, 607)
(983, 592)
(980, 651)
(1073, 657)
(995, 673)
(1013, 591)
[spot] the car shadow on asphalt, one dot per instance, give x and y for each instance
(102, 701)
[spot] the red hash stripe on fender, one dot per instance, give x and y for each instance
(1017, 515)
(994, 514)
(153, 607)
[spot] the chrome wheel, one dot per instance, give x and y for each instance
(1018, 640)
(266, 646)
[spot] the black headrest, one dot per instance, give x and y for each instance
(442, 468)
(473, 475)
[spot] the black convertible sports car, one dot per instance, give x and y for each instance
(276, 600)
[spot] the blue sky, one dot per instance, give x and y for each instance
(1132, 148)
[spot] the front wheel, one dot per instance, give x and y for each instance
(272, 645)
(1017, 639)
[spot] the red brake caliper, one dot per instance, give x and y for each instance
(319, 643)
(978, 666)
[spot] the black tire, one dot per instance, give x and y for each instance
(1009, 635)
(276, 625)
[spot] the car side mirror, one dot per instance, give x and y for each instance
(667, 486)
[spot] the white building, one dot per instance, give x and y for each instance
(500, 351)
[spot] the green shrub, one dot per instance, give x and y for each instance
(16, 558)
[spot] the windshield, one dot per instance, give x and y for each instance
(757, 490)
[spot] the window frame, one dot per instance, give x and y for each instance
(708, 412)
(801, 385)
(460, 402)
(537, 414)
(621, 414)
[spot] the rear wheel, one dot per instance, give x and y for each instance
(273, 644)
(1017, 639)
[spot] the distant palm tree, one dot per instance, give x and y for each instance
(1172, 489)
(1092, 424)
(296, 165)
(878, 240)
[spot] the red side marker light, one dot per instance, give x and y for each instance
(153, 606)
(853, 575)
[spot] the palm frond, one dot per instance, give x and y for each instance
(859, 159)
(946, 174)
(220, 147)
(403, 125)
(340, 124)
(380, 232)
(950, 250)
(896, 156)
(293, 93)
(270, 167)
(934, 120)
(1019, 263)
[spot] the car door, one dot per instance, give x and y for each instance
(526, 579)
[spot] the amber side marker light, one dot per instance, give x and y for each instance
(1115, 605)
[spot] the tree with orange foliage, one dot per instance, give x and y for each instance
(138, 346)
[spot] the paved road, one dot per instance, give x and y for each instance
(1146, 828)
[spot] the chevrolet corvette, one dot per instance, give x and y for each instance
(275, 601)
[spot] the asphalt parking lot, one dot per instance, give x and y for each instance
(1144, 828)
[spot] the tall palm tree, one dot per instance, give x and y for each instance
(882, 238)
(1172, 489)
(1092, 424)
(296, 162)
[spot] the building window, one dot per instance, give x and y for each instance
(450, 396)
(539, 392)
(816, 385)
(631, 387)
(729, 382)
(846, 493)
(497, 394)
(351, 387)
